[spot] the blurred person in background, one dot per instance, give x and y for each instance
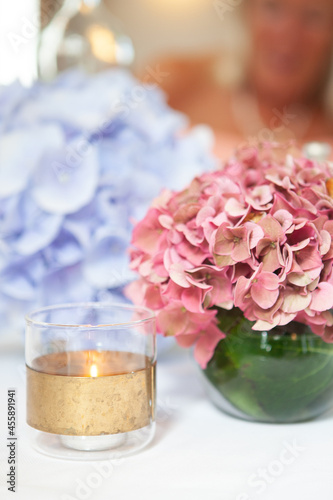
(282, 94)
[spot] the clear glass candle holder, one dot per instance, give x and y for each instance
(91, 379)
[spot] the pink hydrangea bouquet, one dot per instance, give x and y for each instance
(255, 235)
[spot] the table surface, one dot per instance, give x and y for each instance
(198, 453)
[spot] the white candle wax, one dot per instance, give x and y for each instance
(92, 443)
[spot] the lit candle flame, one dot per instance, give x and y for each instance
(93, 371)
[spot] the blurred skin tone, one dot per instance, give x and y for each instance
(292, 48)
(288, 67)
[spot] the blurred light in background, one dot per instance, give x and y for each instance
(19, 26)
(83, 34)
(164, 28)
(103, 43)
(176, 6)
(158, 28)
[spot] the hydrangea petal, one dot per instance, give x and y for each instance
(106, 265)
(294, 302)
(322, 297)
(28, 147)
(206, 344)
(60, 188)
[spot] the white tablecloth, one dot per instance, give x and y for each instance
(198, 453)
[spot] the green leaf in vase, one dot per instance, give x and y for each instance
(284, 375)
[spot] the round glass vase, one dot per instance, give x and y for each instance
(281, 376)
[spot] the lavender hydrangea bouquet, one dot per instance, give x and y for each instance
(80, 160)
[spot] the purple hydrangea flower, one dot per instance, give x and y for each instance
(80, 159)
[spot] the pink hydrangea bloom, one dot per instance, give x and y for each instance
(257, 234)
